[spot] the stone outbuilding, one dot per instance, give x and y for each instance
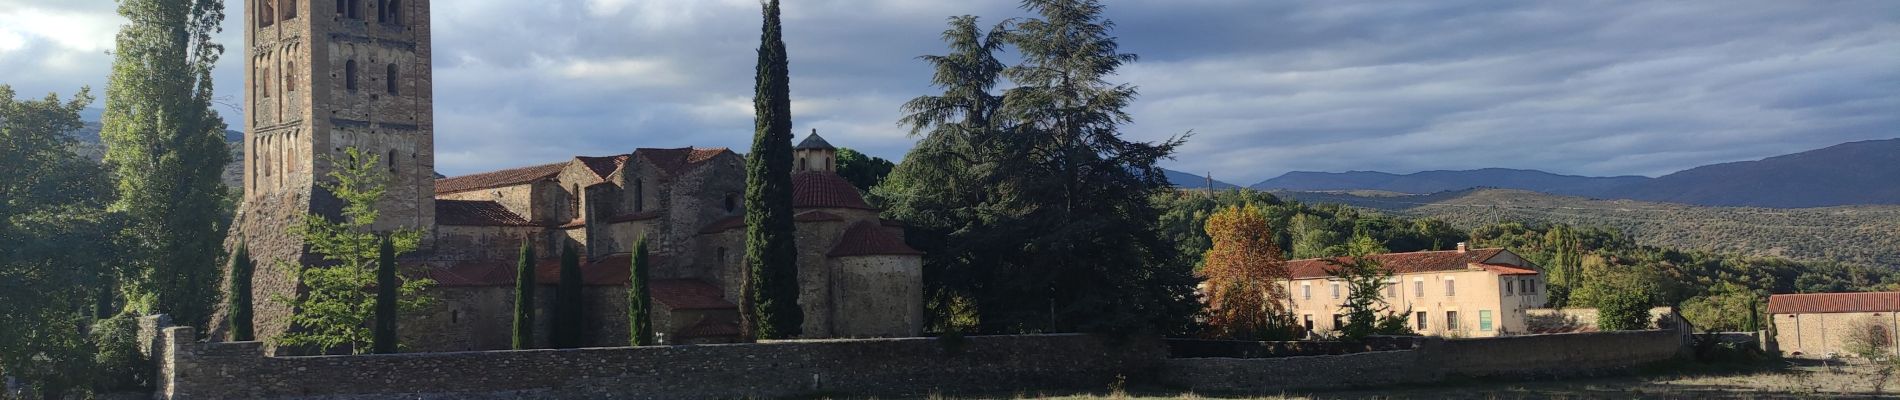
(1824, 325)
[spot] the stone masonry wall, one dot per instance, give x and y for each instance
(859, 367)
(1434, 359)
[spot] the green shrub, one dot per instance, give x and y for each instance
(118, 366)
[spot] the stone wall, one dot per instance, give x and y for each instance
(874, 367)
(1432, 360)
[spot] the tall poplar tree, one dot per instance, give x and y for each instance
(524, 297)
(168, 145)
(772, 311)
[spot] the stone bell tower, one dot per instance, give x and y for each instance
(324, 76)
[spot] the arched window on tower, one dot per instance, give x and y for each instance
(266, 13)
(803, 164)
(290, 9)
(342, 6)
(263, 84)
(355, 9)
(732, 203)
(395, 11)
(290, 77)
(349, 75)
(390, 80)
(391, 160)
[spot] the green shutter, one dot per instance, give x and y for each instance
(1484, 320)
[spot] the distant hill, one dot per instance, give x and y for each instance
(90, 146)
(1191, 181)
(1857, 234)
(1854, 173)
(1866, 172)
(1439, 181)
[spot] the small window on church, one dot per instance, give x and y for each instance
(389, 12)
(722, 256)
(290, 78)
(290, 9)
(391, 161)
(342, 6)
(391, 80)
(639, 196)
(802, 164)
(732, 203)
(827, 163)
(263, 85)
(355, 12)
(266, 13)
(349, 75)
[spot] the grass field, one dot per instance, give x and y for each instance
(1773, 381)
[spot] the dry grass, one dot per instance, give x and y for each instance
(1789, 382)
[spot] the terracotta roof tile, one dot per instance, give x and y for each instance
(1813, 303)
(816, 216)
(604, 167)
(724, 224)
(689, 294)
(710, 327)
(870, 239)
(1399, 263)
(814, 189)
(489, 180)
(476, 213)
(675, 161)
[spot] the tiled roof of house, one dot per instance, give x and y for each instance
(476, 213)
(710, 327)
(1506, 270)
(489, 180)
(816, 216)
(1399, 263)
(724, 224)
(814, 189)
(688, 294)
(870, 239)
(675, 161)
(814, 142)
(1815, 303)
(604, 166)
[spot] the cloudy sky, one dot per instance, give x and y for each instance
(1575, 87)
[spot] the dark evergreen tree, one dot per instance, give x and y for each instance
(942, 190)
(862, 170)
(1042, 180)
(524, 297)
(387, 289)
(772, 311)
(238, 310)
(566, 332)
(639, 301)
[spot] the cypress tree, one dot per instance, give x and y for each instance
(772, 293)
(567, 302)
(384, 337)
(524, 297)
(639, 301)
(238, 311)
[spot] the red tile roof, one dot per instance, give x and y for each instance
(1399, 263)
(815, 189)
(689, 294)
(816, 216)
(870, 239)
(1815, 303)
(724, 224)
(489, 180)
(675, 161)
(476, 213)
(604, 166)
(710, 327)
(1506, 270)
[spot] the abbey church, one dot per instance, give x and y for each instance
(330, 75)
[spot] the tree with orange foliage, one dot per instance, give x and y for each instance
(1243, 272)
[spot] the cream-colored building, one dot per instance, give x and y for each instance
(1458, 293)
(1820, 325)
